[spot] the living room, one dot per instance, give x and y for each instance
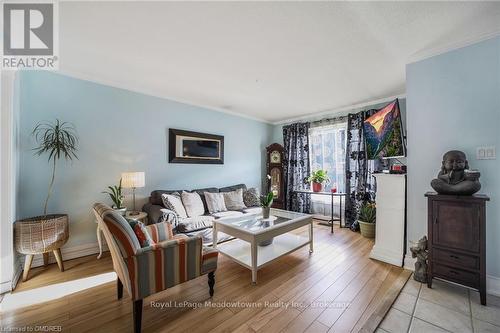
(208, 166)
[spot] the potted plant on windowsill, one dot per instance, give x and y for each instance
(366, 219)
(318, 178)
(115, 193)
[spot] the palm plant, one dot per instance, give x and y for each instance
(59, 140)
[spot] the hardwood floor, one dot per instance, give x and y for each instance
(336, 289)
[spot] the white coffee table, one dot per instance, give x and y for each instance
(250, 230)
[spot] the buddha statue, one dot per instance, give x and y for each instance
(455, 178)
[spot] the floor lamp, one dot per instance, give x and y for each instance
(133, 180)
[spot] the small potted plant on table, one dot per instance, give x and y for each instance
(318, 178)
(266, 202)
(366, 219)
(115, 193)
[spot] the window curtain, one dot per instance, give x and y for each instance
(327, 144)
(360, 183)
(296, 166)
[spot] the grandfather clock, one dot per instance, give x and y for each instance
(275, 170)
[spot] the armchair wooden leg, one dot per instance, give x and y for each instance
(27, 265)
(45, 259)
(137, 315)
(57, 254)
(211, 282)
(119, 288)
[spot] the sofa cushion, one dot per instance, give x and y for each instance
(201, 192)
(195, 223)
(215, 202)
(156, 199)
(234, 199)
(174, 202)
(229, 213)
(251, 197)
(192, 203)
(233, 188)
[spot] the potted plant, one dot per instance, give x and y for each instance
(47, 232)
(366, 219)
(266, 202)
(318, 178)
(115, 193)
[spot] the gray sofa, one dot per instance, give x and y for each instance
(198, 225)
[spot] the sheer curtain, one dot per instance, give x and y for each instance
(327, 147)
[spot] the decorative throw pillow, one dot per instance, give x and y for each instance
(215, 202)
(234, 199)
(174, 203)
(192, 203)
(141, 233)
(251, 197)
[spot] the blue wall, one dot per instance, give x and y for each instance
(453, 102)
(123, 131)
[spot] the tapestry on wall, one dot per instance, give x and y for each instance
(296, 166)
(360, 183)
(383, 133)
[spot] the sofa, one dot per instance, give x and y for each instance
(198, 225)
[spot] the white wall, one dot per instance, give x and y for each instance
(9, 108)
(453, 102)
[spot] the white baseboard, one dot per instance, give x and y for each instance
(5, 287)
(393, 258)
(409, 262)
(492, 282)
(69, 253)
(493, 285)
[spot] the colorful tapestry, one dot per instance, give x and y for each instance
(383, 134)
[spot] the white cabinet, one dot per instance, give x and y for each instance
(390, 228)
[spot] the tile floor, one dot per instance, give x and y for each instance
(444, 308)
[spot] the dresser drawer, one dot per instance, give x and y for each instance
(455, 259)
(456, 275)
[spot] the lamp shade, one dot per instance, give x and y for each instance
(133, 179)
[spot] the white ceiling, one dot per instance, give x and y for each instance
(265, 60)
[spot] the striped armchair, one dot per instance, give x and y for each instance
(171, 260)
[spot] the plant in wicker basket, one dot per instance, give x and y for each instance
(48, 232)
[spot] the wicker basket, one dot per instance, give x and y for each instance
(41, 234)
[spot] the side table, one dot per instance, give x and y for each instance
(142, 217)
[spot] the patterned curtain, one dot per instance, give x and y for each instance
(360, 183)
(296, 166)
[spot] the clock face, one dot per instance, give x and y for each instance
(275, 157)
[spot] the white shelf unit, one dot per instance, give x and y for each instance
(390, 227)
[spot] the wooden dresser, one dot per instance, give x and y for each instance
(457, 240)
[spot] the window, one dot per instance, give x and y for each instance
(327, 152)
(327, 148)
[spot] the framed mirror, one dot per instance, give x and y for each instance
(195, 147)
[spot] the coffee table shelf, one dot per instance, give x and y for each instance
(252, 229)
(240, 251)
